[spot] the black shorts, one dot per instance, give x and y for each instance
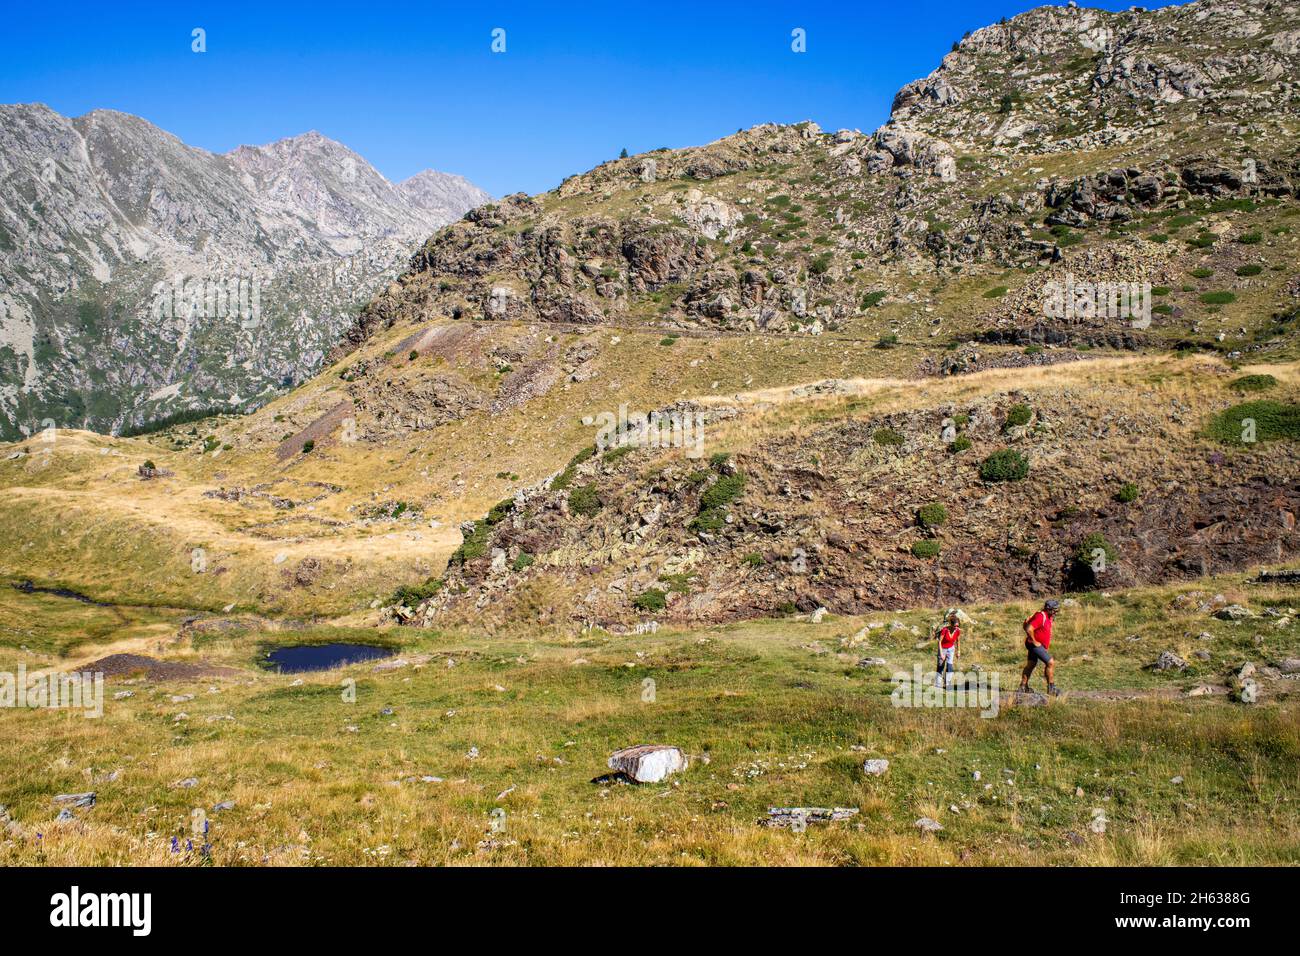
(1037, 653)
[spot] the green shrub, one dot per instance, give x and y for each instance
(1017, 415)
(584, 500)
(524, 560)
(1202, 241)
(873, 299)
(497, 513)
(1253, 383)
(722, 492)
(1251, 269)
(565, 478)
(932, 515)
(1202, 273)
(677, 583)
(474, 545)
(888, 341)
(1217, 298)
(1273, 421)
(960, 443)
(753, 560)
(718, 459)
(1092, 543)
(308, 445)
(887, 436)
(996, 292)
(412, 595)
(1128, 493)
(1005, 465)
(1249, 238)
(651, 600)
(1161, 290)
(928, 548)
(668, 340)
(413, 356)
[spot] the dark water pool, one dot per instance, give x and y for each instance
(321, 657)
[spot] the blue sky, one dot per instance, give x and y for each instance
(411, 85)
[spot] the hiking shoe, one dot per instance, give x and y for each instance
(1053, 690)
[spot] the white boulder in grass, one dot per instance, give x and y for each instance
(648, 763)
(876, 767)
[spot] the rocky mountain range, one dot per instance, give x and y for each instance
(141, 277)
(1060, 119)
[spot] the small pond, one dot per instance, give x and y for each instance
(294, 659)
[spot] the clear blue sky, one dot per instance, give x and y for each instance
(416, 85)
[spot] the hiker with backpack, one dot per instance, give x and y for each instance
(949, 636)
(1038, 638)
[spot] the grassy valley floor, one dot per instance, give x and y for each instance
(472, 750)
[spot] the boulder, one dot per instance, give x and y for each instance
(1168, 661)
(926, 825)
(875, 768)
(1233, 612)
(1249, 691)
(648, 763)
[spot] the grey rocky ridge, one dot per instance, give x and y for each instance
(141, 277)
(1063, 127)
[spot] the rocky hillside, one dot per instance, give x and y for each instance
(1143, 133)
(122, 249)
(1084, 479)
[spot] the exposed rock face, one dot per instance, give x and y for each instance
(209, 280)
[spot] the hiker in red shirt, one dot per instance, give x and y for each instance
(1038, 638)
(949, 647)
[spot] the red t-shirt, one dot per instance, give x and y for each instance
(1040, 625)
(948, 636)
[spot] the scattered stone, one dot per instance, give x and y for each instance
(926, 825)
(1176, 780)
(1098, 822)
(817, 615)
(875, 768)
(223, 806)
(873, 662)
(648, 763)
(1290, 665)
(76, 799)
(186, 784)
(1168, 661)
(801, 816)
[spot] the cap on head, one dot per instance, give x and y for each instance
(1052, 605)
